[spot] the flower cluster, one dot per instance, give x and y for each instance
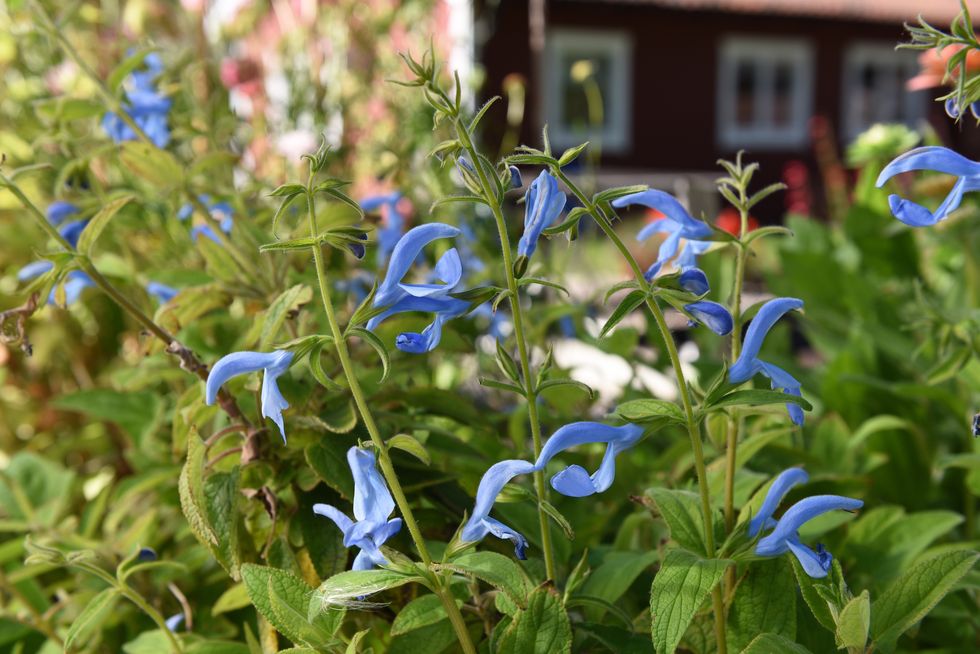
(145, 104)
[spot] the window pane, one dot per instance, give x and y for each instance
(782, 95)
(582, 75)
(746, 92)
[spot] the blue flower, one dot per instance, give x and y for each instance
(693, 280)
(161, 292)
(391, 231)
(711, 314)
(173, 622)
(72, 231)
(516, 181)
(480, 523)
(749, 365)
(784, 536)
(575, 481)
(74, 283)
(220, 211)
(543, 203)
(432, 297)
(942, 160)
(372, 506)
(59, 210)
(676, 224)
(238, 363)
(145, 105)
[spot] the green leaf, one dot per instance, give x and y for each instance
(356, 641)
(420, 612)
(678, 590)
(762, 232)
(88, 621)
(497, 570)
(632, 300)
(554, 383)
(681, 510)
(410, 444)
(815, 590)
(610, 194)
(541, 628)
(765, 601)
(501, 386)
(341, 589)
(339, 196)
(773, 644)
(525, 281)
(236, 597)
(98, 223)
(758, 396)
(483, 110)
(156, 166)
(138, 413)
(190, 487)
(649, 409)
(289, 300)
(221, 503)
(292, 244)
(284, 600)
(507, 364)
(371, 339)
(316, 367)
(558, 518)
(910, 598)
(610, 580)
(853, 623)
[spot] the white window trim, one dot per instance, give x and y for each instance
(914, 105)
(615, 137)
(797, 52)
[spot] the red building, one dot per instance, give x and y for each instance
(684, 82)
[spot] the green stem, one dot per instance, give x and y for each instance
(540, 488)
(384, 459)
(734, 426)
(693, 430)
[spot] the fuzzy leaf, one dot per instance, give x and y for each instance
(683, 583)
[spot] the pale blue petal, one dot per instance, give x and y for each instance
(372, 500)
(688, 258)
(449, 270)
(273, 403)
(71, 231)
(798, 514)
(936, 158)
(173, 622)
(746, 365)
(34, 269)
(670, 207)
(493, 481)
(543, 203)
(234, 364)
(161, 292)
(502, 531)
(404, 254)
(657, 227)
(781, 485)
(342, 521)
(428, 340)
(59, 210)
(815, 564)
(580, 433)
(515, 177)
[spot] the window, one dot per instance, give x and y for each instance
(764, 92)
(587, 88)
(874, 88)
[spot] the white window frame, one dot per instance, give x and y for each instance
(616, 135)
(765, 52)
(914, 104)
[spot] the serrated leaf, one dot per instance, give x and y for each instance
(88, 621)
(221, 503)
(420, 612)
(275, 315)
(681, 510)
(773, 644)
(190, 486)
(632, 300)
(765, 601)
(678, 590)
(328, 458)
(371, 339)
(408, 443)
(496, 570)
(854, 622)
(352, 584)
(916, 592)
(283, 599)
(98, 223)
(650, 409)
(541, 628)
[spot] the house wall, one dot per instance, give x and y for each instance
(674, 68)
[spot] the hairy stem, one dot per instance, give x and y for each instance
(384, 458)
(693, 429)
(540, 488)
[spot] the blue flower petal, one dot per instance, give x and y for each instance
(667, 204)
(574, 481)
(493, 481)
(693, 280)
(815, 564)
(72, 231)
(404, 255)
(372, 500)
(59, 210)
(932, 157)
(798, 514)
(238, 363)
(161, 292)
(543, 202)
(781, 485)
(746, 366)
(713, 315)
(34, 269)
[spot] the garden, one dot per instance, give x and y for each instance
(299, 355)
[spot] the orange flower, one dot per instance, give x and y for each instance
(729, 220)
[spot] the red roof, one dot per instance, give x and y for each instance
(936, 12)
